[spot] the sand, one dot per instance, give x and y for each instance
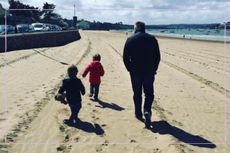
(190, 111)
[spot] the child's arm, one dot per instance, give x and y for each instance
(87, 69)
(82, 88)
(62, 88)
(102, 71)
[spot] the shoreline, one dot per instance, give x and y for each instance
(176, 37)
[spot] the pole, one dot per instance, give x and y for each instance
(74, 10)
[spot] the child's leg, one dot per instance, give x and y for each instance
(91, 90)
(96, 87)
(74, 112)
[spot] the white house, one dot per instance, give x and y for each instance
(83, 25)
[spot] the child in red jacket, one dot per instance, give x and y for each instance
(96, 71)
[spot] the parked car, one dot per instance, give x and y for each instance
(56, 28)
(64, 27)
(2, 29)
(48, 27)
(38, 26)
(8, 28)
(24, 28)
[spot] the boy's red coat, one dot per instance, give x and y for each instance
(95, 70)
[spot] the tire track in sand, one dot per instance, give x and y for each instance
(27, 118)
(21, 58)
(202, 80)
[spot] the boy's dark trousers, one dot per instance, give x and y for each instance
(94, 89)
(145, 82)
(74, 112)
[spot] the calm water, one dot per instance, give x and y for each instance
(201, 34)
(206, 34)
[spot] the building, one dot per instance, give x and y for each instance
(83, 25)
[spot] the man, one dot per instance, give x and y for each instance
(141, 58)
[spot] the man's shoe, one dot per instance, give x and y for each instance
(140, 118)
(96, 99)
(147, 120)
(66, 121)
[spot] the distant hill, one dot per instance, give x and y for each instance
(188, 26)
(119, 26)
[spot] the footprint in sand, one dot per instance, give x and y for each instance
(10, 138)
(66, 138)
(4, 148)
(2, 119)
(106, 143)
(133, 141)
(62, 128)
(99, 148)
(77, 139)
(95, 111)
(176, 122)
(170, 113)
(156, 150)
(104, 125)
(61, 148)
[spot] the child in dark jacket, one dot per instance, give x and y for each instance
(73, 88)
(96, 71)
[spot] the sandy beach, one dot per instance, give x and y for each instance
(190, 111)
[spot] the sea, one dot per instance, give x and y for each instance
(197, 34)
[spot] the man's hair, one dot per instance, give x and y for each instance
(139, 26)
(97, 57)
(72, 71)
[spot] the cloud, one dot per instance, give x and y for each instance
(150, 11)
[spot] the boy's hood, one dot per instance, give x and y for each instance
(95, 63)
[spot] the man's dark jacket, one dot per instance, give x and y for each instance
(141, 54)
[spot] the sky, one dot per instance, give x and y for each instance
(148, 11)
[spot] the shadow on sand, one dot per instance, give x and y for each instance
(103, 104)
(87, 127)
(163, 127)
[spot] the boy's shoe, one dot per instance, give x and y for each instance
(96, 99)
(90, 95)
(147, 120)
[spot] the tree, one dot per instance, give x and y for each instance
(17, 8)
(47, 11)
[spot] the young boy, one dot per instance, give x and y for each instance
(96, 71)
(73, 88)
